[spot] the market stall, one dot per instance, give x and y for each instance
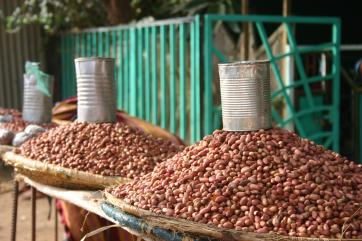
(249, 181)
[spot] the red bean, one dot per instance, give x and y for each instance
(262, 181)
(106, 149)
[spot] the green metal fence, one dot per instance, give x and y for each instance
(327, 111)
(161, 78)
(157, 70)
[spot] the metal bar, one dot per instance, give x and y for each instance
(77, 45)
(298, 83)
(336, 38)
(14, 215)
(300, 66)
(113, 47)
(94, 44)
(126, 71)
(264, 39)
(316, 109)
(192, 84)
(207, 93)
(63, 73)
(100, 44)
(316, 47)
(272, 19)
(276, 115)
(172, 79)
(11, 59)
(141, 226)
(197, 80)
(320, 135)
(55, 220)
(133, 73)
(68, 78)
(157, 23)
(328, 142)
(154, 76)
(140, 79)
(120, 79)
(308, 49)
(351, 47)
(163, 76)
(89, 44)
(3, 68)
(83, 45)
(18, 65)
(218, 54)
(66, 71)
(107, 48)
(147, 74)
(33, 214)
(182, 82)
(72, 55)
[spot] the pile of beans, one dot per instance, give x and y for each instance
(267, 181)
(107, 149)
(14, 125)
(13, 112)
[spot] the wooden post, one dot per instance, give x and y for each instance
(287, 6)
(245, 11)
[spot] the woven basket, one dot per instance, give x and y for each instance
(202, 230)
(4, 149)
(53, 175)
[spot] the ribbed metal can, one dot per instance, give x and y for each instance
(37, 106)
(245, 95)
(96, 89)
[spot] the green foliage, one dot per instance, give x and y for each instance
(57, 15)
(61, 15)
(161, 9)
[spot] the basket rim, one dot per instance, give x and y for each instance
(66, 174)
(182, 225)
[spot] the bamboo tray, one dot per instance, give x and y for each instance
(57, 176)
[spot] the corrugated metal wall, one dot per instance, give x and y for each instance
(15, 49)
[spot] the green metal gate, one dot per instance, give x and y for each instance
(157, 70)
(161, 78)
(329, 112)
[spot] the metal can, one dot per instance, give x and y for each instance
(37, 105)
(96, 89)
(245, 95)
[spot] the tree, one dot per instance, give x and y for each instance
(60, 15)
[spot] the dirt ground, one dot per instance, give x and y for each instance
(44, 227)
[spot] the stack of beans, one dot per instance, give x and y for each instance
(12, 112)
(10, 119)
(266, 181)
(14, 125)
(106, 149)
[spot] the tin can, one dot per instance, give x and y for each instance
(96, 89)
(245, 95)
(37, 105)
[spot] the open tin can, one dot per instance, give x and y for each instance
(245, 95)
(37, 102)
(96, 89)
